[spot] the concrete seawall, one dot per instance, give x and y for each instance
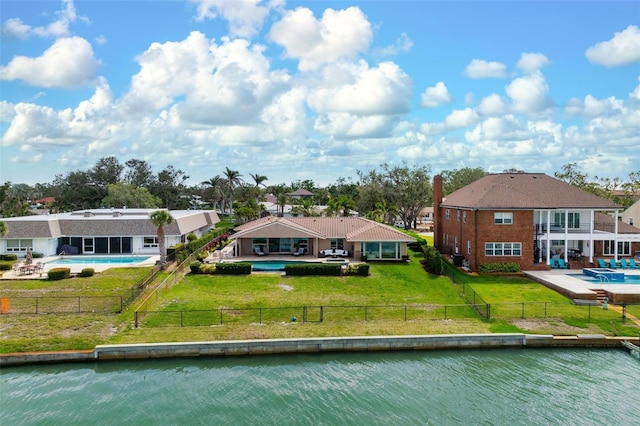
(314, 345)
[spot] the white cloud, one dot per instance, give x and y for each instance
(530, 94)
(635, 94)
(245, 17)
(532, 62)
(461, 118)
(492, 106)
(69, 63)
(340, 34)
(436, 96)
(402, 45)
(58, 28)
(622, 49)
(484, 69)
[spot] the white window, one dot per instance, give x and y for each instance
(624, 248)
(458, 215)
(150, 242)
(447, 214)
(503, 218)
(468, 246)
(464, 217)
(503, 249)
(18, 246)
(574, 220)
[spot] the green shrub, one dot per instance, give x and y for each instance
(9, 256)
(360, 269)
(233, 268)
(5, 266)
(37, 255)
(498, 267)
(433, 260)
(208, 268)
(201, 256)
(298, 269)
(195, 267)
(87, 272)
(192, 237)
(56, 274)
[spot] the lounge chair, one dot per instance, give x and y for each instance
(299, 251)
(601, 263)
(633, 264)
(624, 264)
(258, 251)
(553, 264)
(562, 264)
(613, 263)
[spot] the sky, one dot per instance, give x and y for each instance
(319, 90)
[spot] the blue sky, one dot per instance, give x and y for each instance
(319, 89)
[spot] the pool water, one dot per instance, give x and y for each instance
(273, 265)
(118, 260)
(626, 279)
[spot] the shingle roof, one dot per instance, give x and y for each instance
(350, 228)
(524, 191)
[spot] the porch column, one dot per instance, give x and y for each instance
(548, 248)
(566, 234)
(591, 250)
(615, 236)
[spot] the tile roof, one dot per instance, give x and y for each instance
(524, 191)
(350, 228)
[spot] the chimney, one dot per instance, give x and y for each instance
(437, 214)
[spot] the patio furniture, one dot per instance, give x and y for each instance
(258, 251)
(633, 264)
(601, 263)
(334, 252)
(624, 264)
(613, 263)
(562, 264)
(299, 251)
(553, 264)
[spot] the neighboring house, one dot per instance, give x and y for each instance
(359, 236)
(300, 193)
(101, 231)
(632, 214)
(528, 218)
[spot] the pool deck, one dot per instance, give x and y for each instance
(567, 283)
(76, 268)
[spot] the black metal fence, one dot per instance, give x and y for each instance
(75, 304)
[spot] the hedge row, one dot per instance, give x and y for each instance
(299, 269)
(9, 256)
(489, 268)
(56, 274)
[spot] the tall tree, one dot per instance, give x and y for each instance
(139, 173)
(171, 189)
(4, 229)
(216, 191)
(452, 180)
(76, 191)
(160, 218)
(123, 194)
(259, 181)
(234, 178)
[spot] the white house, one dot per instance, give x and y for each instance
(101, 231)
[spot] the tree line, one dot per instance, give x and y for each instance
(384, 194)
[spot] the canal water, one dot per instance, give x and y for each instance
(479, 387)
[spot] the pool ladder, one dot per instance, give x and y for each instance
(603, 278)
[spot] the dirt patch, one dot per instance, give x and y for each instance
(285, 287)
(554, 326)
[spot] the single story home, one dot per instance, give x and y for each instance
(529, 219)
(101, 231)
(311, 235)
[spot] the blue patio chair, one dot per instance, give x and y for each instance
(624, 264)
(601, 263)
(613, 263)
(553, 264)
(562, 264)
(633, 264)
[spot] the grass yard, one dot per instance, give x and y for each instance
(239, 299)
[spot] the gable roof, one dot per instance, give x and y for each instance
(349, 228)
(524, 191)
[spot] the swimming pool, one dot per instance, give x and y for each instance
(274, 265)
(615, 279)
(90, 260)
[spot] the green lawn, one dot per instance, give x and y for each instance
(400, 299)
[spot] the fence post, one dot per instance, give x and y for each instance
(522, 310)
(589, 312)
(37, 304)
(220, 316)
(365, 314)
(405, 313)
(181, 319)
(304, 314)
(78, 304)
(445, 312)
(135, 319)
(121, 304)
(545, 309)
(488, 311)
(321, 313)
(260, 322)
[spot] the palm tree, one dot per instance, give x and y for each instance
(159, 218)
(259, 181)
(217, 190)
(233, 180)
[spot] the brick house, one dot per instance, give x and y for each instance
(529, 218)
